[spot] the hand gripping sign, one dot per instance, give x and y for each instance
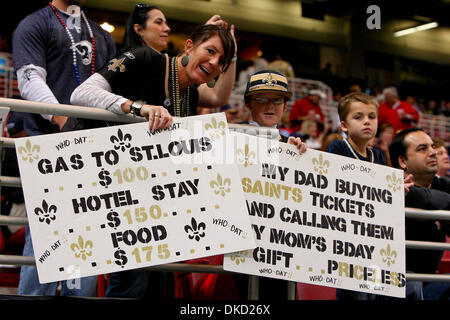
(122, 197)
(323, 219)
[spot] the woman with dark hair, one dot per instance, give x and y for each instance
(146, 25)
(143, 82)
(146, 83)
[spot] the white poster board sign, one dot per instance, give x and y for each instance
(119, 198)
(323, 219)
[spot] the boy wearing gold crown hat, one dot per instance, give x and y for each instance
(266, 96)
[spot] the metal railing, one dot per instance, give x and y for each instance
(92, 113)
(409, 212)
(435, 126)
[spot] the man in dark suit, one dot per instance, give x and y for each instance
(414, 151)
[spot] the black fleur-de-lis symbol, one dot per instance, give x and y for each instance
(122, 141)
(46, 213)
(195, 231)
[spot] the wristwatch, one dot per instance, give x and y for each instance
(135, 108)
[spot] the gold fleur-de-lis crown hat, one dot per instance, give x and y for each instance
(267, 81)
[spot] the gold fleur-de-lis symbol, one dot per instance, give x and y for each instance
(28, 152)
(394, 183)
(122, 141)
(388, 255)
(217, 129)
(246, 156)
(115, 64)
(239, 257)
(320, 165)
(221, 186)
(82, 249)
(269, 80)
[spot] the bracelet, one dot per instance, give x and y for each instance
(135, 109)
(234, 59)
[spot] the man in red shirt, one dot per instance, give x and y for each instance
(307, 108)
(400, 114)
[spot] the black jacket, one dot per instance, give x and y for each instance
(435, 198)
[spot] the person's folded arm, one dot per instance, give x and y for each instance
(428, 199)
(95, 92)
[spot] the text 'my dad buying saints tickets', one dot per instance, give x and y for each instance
(323, 219)
(118, 198)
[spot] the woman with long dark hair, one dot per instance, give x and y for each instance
(146, 83)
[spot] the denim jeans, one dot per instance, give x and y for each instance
(414, 290)
(128, 284)
(29, 281)
(437, 291)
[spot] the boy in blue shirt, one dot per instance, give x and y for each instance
(359, 120)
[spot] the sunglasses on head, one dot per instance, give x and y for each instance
(142, 5)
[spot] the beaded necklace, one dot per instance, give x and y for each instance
(74, 53)
(180, 101)
(371, 157)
